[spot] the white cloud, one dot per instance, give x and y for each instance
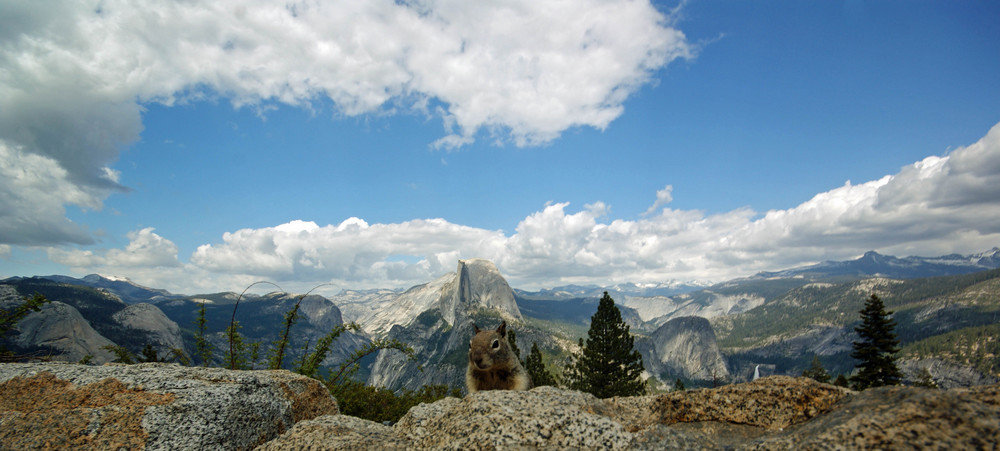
(351, 251)
(76, 74)
(663, 197)
(939, 205)
(33, 192)
(935, 206)
(145, 249)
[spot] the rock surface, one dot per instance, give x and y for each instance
(151, 406)
(160, 406)
(945, 374)
(771, 413)
(476, 283)
(60, 328)
(684, 347)
(162, 332)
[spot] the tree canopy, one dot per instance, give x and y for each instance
(816, 371)
(536, 368)
(877, 348)
(608, 365)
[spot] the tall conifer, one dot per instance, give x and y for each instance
(876, 351)
(816, 371)
(536, 368)
(609, 365)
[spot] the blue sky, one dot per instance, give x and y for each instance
(199, 147)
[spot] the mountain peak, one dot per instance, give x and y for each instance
(92, 278)
(479, 283)
(872, 256)
(873, 263)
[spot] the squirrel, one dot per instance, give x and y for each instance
(492, 364)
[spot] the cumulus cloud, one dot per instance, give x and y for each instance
(148, 259)
(77, 74)
(663, 197)
(145, 249)
(939, 205)
(350, 251)
(34, 190)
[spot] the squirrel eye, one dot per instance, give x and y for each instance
(496, 344)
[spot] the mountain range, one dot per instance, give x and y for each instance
(775, 321)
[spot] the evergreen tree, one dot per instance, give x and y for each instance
(841, 380)
(512, 339)
(925, 379)
(149, 354)
(203, 349)
(609, 365)
(876, 352)
(536, 368)
(678, 385)
(122, 355)
(816, 371)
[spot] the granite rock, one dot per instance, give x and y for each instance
(151, 406)
(161, 406)
(770, 413)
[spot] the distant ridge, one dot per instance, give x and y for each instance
(874, 264)
(129, 292)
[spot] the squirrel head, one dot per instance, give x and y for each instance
(489, 347)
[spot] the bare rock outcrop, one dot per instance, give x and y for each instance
(60, 327)
(684, 347)
(151, 406)
(771, 413)
(161, 331)
(161, 406)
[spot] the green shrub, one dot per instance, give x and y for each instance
(381, 404)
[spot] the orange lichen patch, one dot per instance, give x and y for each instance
(771, 403)
(309, 399)
(43, 412)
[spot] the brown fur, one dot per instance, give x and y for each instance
(492, 364)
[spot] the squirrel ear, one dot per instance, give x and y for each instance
(475, 328)
(502, 329)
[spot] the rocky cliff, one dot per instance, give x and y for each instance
(162, 332)
(684, 348)
(476, 283)
(60, 332)
(80, 321)
(440, 332)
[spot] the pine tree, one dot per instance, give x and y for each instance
(536, 368)
(608, 365)
(512, 340)
(840, 381)
(679, 385)
(925, 379)
(203, 349)
(876, 352)
(816, 371)
(149, 355)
